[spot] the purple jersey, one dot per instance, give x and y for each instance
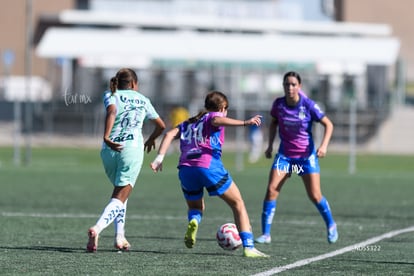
(295, 125)
(201, 141)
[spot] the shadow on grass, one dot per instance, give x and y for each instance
(82, 250)
(44, 248)
(168, 238)
(62, 249)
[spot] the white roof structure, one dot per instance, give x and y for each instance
(129, 46)
(209, 21)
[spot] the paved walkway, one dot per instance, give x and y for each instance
(396, 135)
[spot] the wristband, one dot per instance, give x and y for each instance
(159, 159)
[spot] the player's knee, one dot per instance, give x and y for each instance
(237, 204)
(272, 194)
(315, 198)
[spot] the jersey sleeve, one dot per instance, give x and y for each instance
(108, 99)
(316, 112)
(151, 112)
(210, 118)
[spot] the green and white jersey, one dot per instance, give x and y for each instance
(132, 109)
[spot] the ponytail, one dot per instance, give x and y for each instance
(113, 84)
(197, 117)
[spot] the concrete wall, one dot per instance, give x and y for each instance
(13, 31)
(398, 14)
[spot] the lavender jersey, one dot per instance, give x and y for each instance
(200, 141)
(295, 126)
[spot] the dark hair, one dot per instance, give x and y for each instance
(292, 74)
(215, 100)
(122, 79)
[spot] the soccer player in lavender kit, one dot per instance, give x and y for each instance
(293, 115)
(200, 166)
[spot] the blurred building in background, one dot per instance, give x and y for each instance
(183, 48)
(396, 14)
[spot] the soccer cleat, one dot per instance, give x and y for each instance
(332, 234)
(93, 235)
(190, 235)
(263, 239)
(252, 252)
(121, 243)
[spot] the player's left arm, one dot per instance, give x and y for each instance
(158, 129)
(328, 125)
(226, 121)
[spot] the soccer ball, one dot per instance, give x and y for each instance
(228, 237)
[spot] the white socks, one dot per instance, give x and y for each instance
(110, 213)
(119, 221)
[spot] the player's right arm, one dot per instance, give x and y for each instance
(109, 124)
(272, 134)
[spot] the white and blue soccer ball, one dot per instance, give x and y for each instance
(228, 237)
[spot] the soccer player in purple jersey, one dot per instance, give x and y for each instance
(200, 166)
(293, 115)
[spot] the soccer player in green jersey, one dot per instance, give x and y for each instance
(123, 150)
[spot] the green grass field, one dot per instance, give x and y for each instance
(47, 207)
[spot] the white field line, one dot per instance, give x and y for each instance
(154, 217)
(336, 252)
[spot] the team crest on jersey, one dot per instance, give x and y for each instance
(302, 113)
